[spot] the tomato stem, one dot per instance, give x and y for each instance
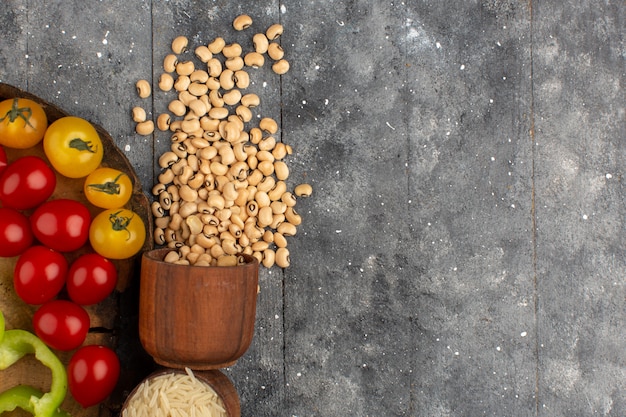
(16, 112)
(109, 187)
(81, 145)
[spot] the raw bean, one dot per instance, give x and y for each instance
(145, 128)
(186, 97)
(277, 192)
(303, 190)
(157, 210)
(232, 50)
(274, 31)
(260, 43)
(256, 134)
(281, 170)
(287, 229)
(180, 150)
(269, 257)
(203, 53)
(200, 76)
(158, 189)
(266, 184)
(169, 63)
(279, 240)
(214, 67)
(232, 97)
(187, 208)
(176, 222)
(263, 155)
(244, 114)
(185, 68)
(262, 199)
(218, 113)
(139, 114)
(227, 79)
(143, 88)
(241, 78)
(278, 207)
(198, 89)
(227, 260)
(192, 257)
(235, 63)
(166, 82)
(171, 257)
(215, 97)
(217, 45)
(292, 216)
(289, 199)
(213, 83)
(277, 221)
(281, 67)
(267, 144)
(254, 59)
(182, 83)
(167, 159)
(179, 44)
(250, 100)
(166, 176)
(195, 224)
(265, 216)
(282, 257)
(163, 122)
(198, 108)
(159, 236)
(266, 167)
(165, 199)
(275, 51)
(268, 125)
(242, 22)
(177, 108)
(187, 193)
(162, 222)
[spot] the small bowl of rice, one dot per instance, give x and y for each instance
(183, 393)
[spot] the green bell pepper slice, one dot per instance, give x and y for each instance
(14, 345)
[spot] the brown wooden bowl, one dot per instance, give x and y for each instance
(219, 382)
(196, 316)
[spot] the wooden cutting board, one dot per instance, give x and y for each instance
(105, 315)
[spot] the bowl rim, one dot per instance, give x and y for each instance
(157, 255)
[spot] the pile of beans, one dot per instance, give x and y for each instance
(222, 191)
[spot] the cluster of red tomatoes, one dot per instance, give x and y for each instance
(45, 232)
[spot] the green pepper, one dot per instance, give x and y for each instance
(15, 344)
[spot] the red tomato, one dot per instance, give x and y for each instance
(61, 324)
(91, 279)
(92, 374)
(26, 183)
(62, 225)
(3, 159)
(15, 233)
(39, 274)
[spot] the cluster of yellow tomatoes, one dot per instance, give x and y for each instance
(74, 149)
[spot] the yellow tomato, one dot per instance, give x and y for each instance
(73, 146)
(117, 233)
(108, 188)
(23, 123)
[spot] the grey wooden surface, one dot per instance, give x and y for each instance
(463, 252)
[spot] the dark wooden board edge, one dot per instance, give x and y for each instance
(123, 336)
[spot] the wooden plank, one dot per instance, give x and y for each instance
(470, 189)
(579, 132)
(258, 375)
(347, 327)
